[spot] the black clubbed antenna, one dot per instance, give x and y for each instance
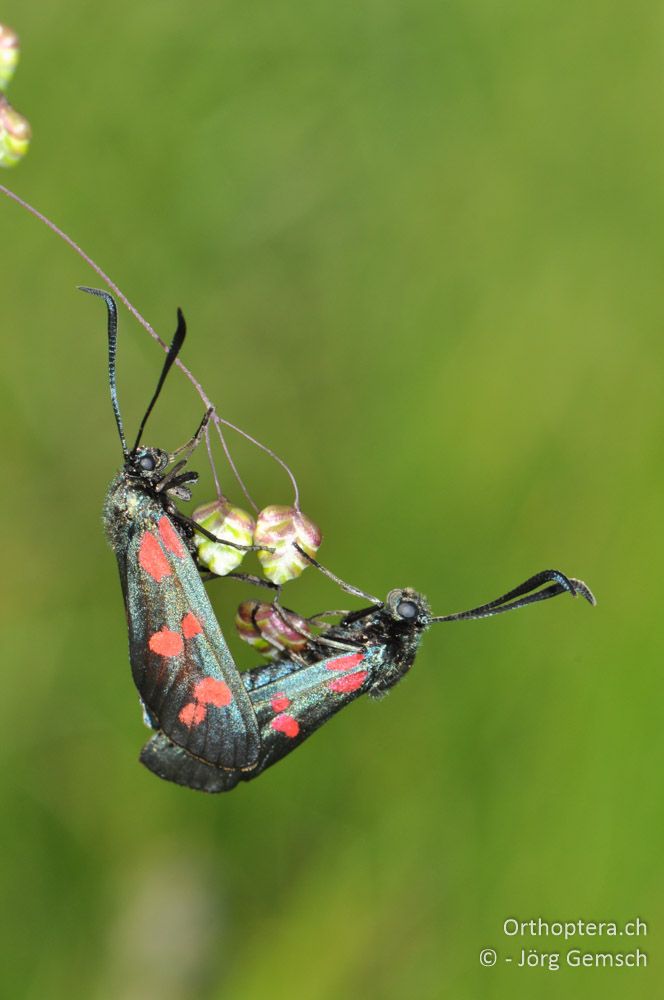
(526, 593)
(173, 351)
(112, 350)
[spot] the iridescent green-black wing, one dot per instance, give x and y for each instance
(182, 667)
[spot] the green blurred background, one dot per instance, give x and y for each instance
(419, 246)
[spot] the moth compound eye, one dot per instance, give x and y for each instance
(147, 463)
(407, 610)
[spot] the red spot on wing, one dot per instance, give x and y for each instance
(280, 702)
(351, 682)
(170, 537)
(166, 643)
(345, 662)
(152, 558)
(287, 725)
(191, 625)
(192, 714)
(210, 691)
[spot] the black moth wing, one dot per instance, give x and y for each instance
(291, 702)
(172, 763)
(181, 664)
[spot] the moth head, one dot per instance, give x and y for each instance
(407, 607)
(148, 464)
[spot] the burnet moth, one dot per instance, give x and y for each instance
(215, 726)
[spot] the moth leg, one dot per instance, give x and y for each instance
(346, 647)
(348, 587)
(192, 444)
(327, 614)
(172, 477)
(287, 616)
(214, 538)
(291, 654)
(255, 581)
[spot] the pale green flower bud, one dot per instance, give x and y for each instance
(15, 134)
(9, 55)
(224, 520)
(280, 528)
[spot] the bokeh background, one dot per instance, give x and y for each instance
(419, 246)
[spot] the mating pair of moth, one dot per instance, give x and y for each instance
(214, 725)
